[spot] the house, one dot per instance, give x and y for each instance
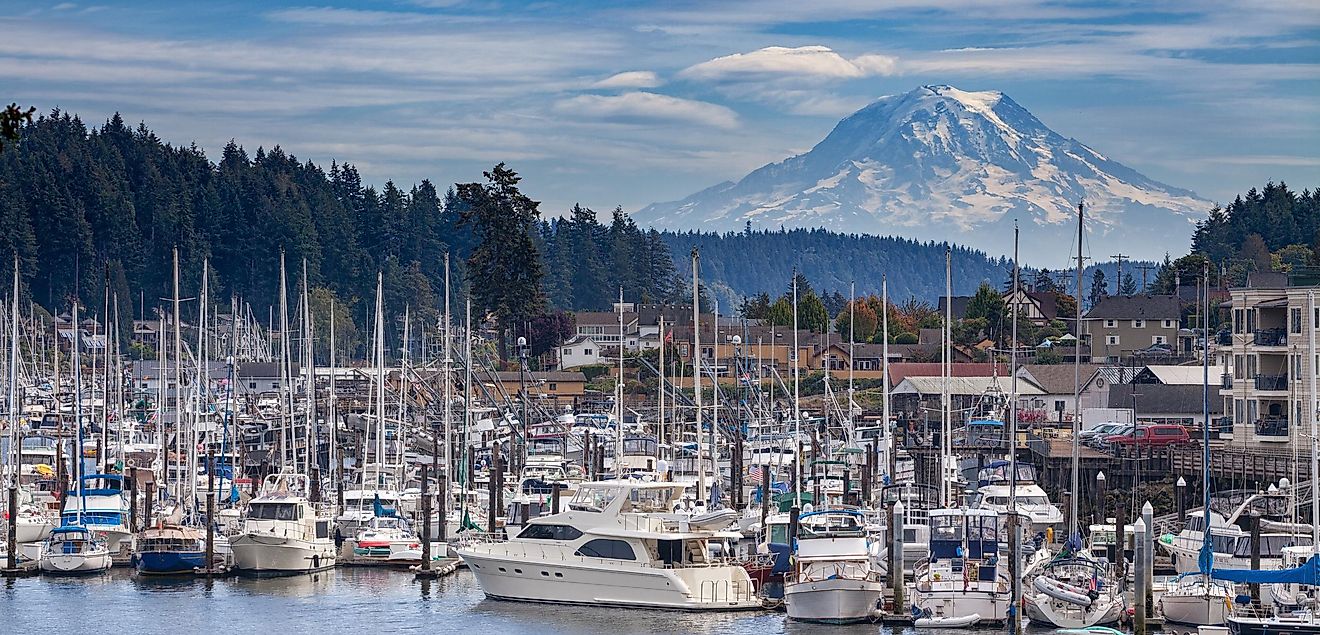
(555, 387)
(1038, 307)
(580, 351)
(1059, 389)
(959, 305)
(1095, 389)
(1165, 403)
(1121, 327)
(603, 328)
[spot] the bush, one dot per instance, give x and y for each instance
(906, 338)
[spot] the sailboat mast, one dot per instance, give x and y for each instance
(177, 370)
(660, 392)
(696, 370)
(618, 399)
(333, 417)
(884, 367)
(1074, 494)
(77, 413)
(797, 401)
(1015, 519)
(852, 319)
(289, 455)
(380, 370)
(946, 369)
(449, 397)
(309, 345)
(467, 379)
(1315, 448)
(14, 406)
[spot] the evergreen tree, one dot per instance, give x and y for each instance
(504, 270)
(1128, 286)
(1099, 288)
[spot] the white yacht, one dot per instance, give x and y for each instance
(74, 549)
(832, 578)
(617, 545)
(1032, 501)
(377, 485)
(962, 582)
(1231, 544)
(283, 533)
(387, 539)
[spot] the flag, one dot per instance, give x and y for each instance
(669, 337)
(754, 474)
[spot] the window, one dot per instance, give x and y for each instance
(1295, 320)
(1251, 320)
(586, 351)
(606, 548)
(1168, 324)
(1111, 340)
(550, 532)
(1138, 324)
(568, 351)
(1110, 324)
(554, 386)
(1159, 339)
(1237, 320)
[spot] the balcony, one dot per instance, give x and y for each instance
(1270, 337)
(1224, 338)
(1272, 427)
(1272, 382)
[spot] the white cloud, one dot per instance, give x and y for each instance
(64, 6)
(803, 61)
(334, 16)
(630, 79)
(641, 106)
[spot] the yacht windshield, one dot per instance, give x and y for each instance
(593, 499)
(273, 511)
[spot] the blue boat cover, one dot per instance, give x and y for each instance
(1308, 573)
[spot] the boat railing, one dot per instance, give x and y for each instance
(843, 570)
(726, 591)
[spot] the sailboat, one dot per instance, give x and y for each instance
(73, 547)
(1075, 590)
(1198, 598)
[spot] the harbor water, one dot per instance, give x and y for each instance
(345, 600)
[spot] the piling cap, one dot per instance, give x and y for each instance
(898, 507)
(1181, 482)
(1139, 526)
(1147, 509)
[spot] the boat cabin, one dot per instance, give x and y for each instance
(966, 538)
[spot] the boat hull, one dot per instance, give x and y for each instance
(271, 555)
(836, 601)
(1257, 626)
(1196, 610)
(606, 584)
(990, 606)
(169, 562)
(75, 563)
(1043, 609)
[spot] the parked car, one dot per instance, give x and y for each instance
(1150, 436)
(1102, 431)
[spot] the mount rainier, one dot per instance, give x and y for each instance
(939, 163)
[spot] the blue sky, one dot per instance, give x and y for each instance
(632, 102)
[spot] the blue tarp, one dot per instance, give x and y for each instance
(1308, 573)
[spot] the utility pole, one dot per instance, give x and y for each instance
(1119, 283)
(1145, 269)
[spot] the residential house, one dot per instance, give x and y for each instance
(1095, 389)
(1121, 327)
(580, 351)
(1059, 388)
(555, 387)
(603, 328)
(1037, 307)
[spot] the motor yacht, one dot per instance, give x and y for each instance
(833, 578)
(1231, 544)
(963, 581)
(995, 493)
(283, 532)
(617, 545)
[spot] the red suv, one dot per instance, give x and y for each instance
(1151, 436)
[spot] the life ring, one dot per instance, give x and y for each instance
(1062, 591)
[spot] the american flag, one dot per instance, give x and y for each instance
(754, 473)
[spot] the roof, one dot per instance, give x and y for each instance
(1267, 280)
(602, 318)
(578, 339)
(1047, 300)
(920, 385)
(1056, 379)
(1173, 375)
(549, 375)
(1113, 375)
(899, 371)
(959, 306)
(1126, 307)
(1156, 399)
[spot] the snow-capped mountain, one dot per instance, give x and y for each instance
(940, 163)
